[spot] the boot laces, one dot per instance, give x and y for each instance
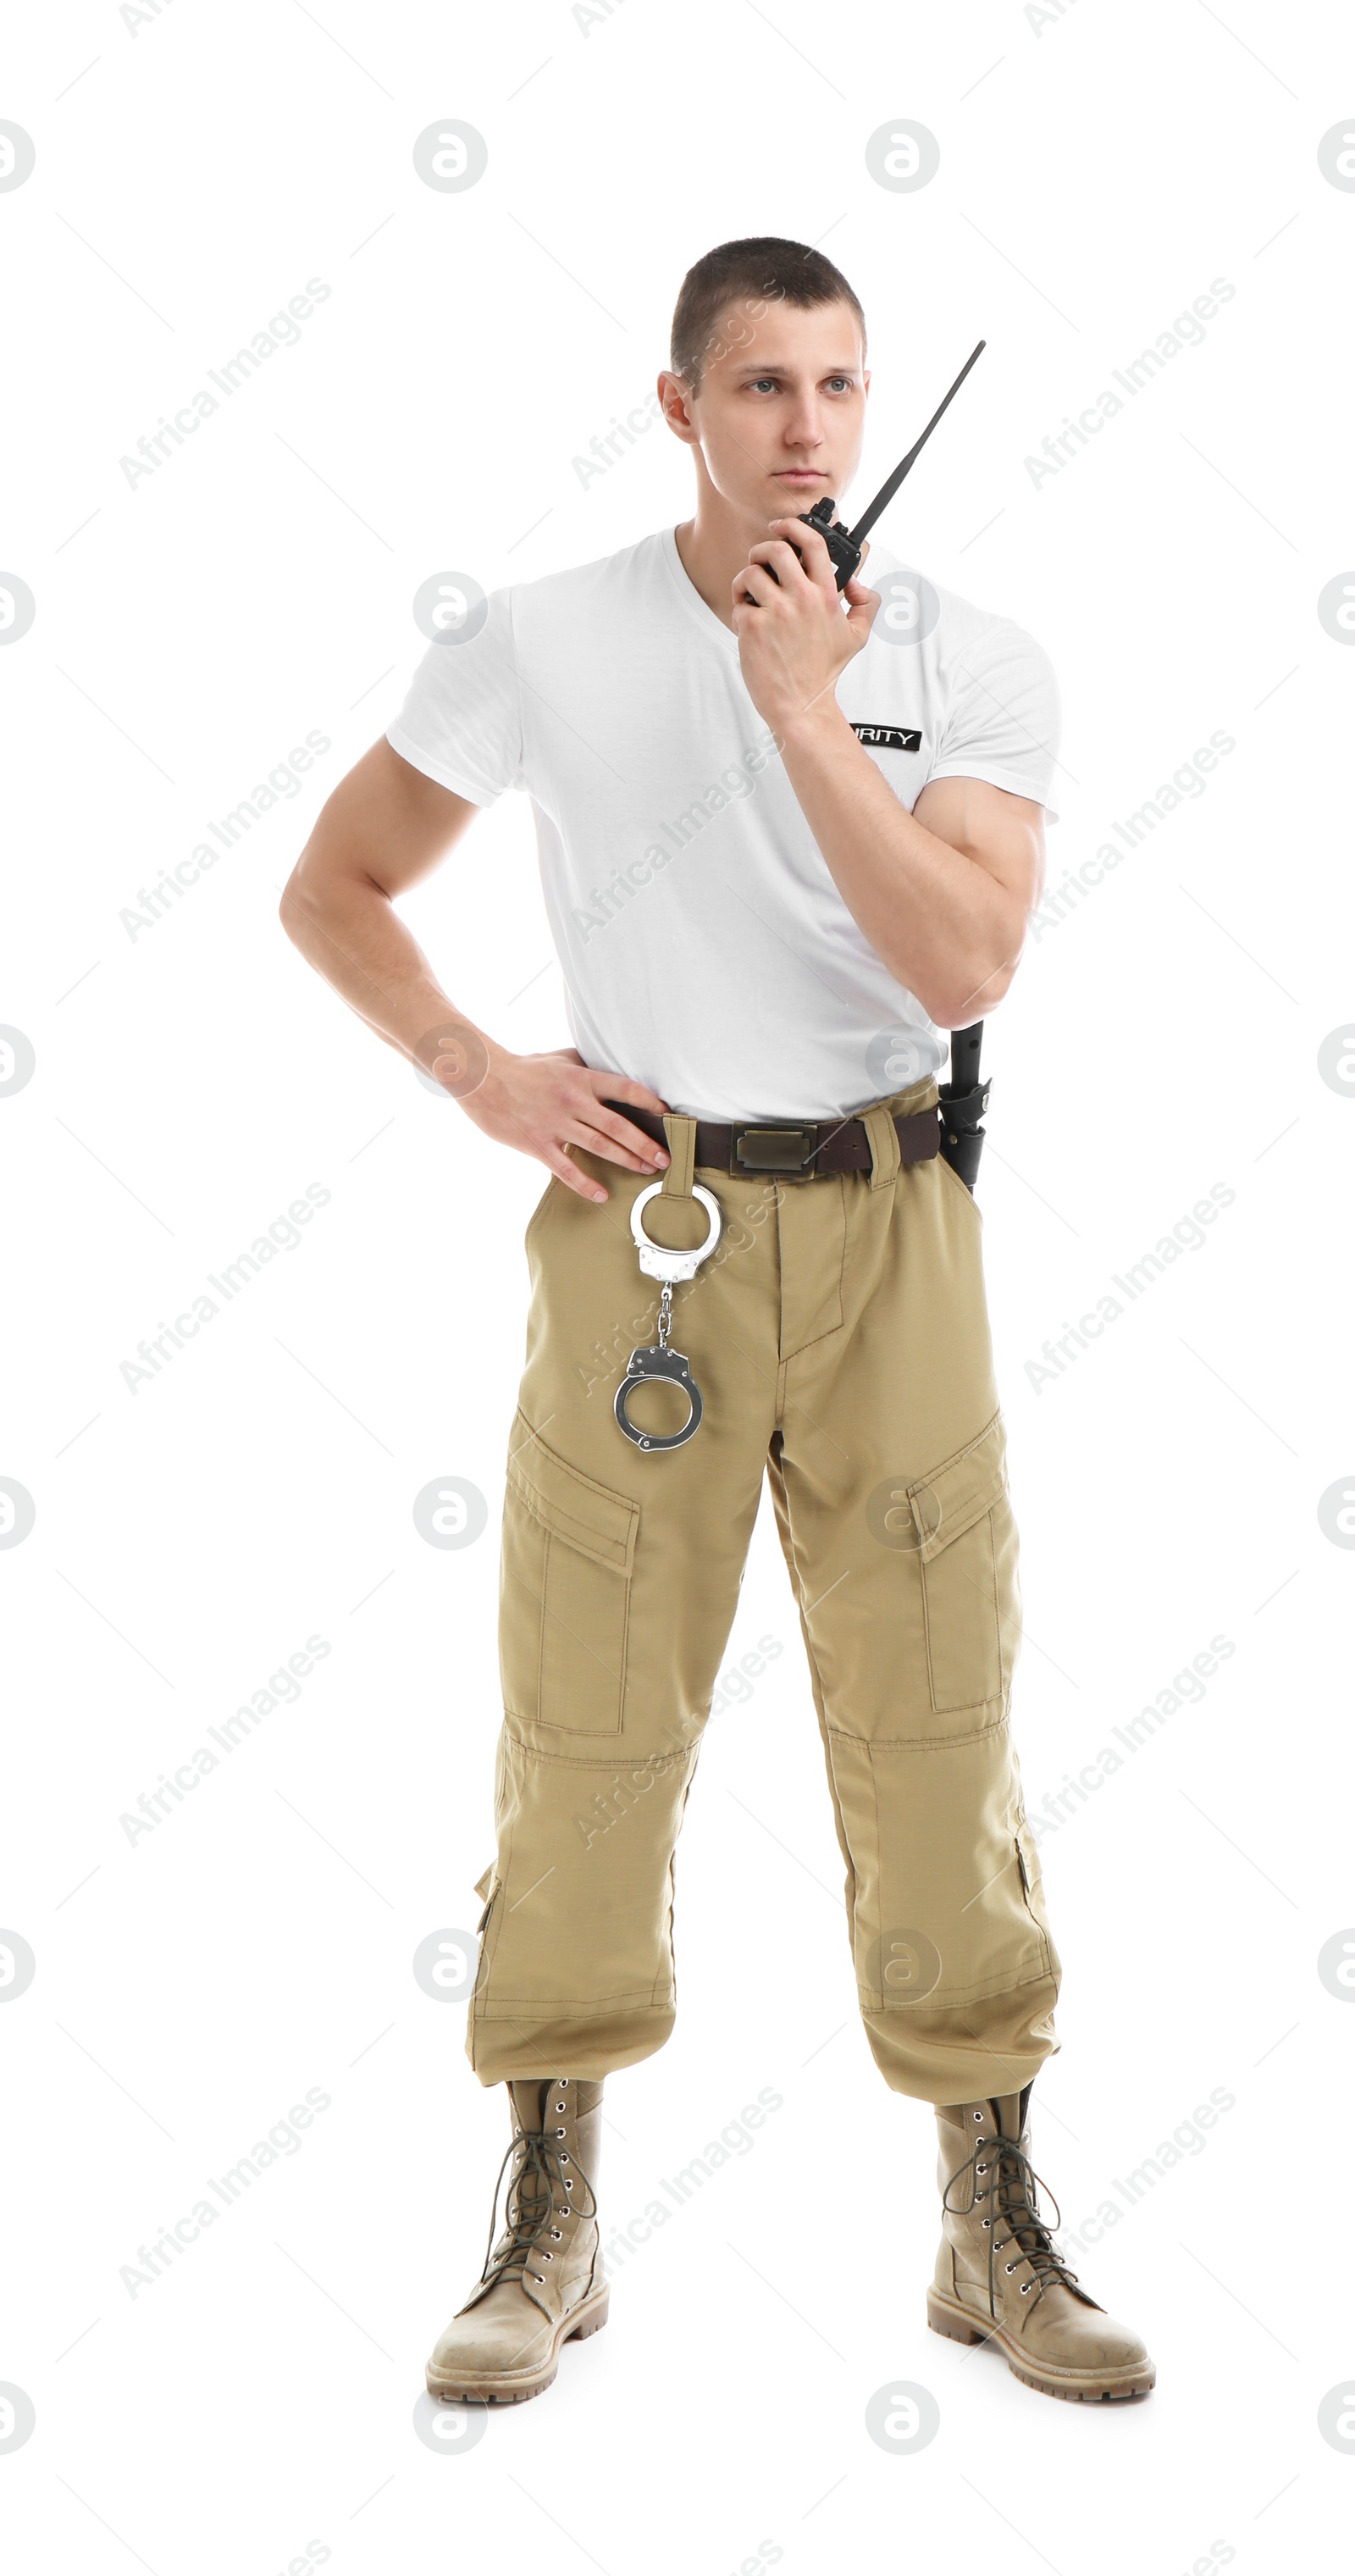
(1014, 2199)
(528, 2212)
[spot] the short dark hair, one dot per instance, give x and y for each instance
(760, 271)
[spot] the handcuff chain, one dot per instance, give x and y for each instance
(658, 1359)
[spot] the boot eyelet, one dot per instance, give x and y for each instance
(557, 2233)
(980, 2169)
(568, 2184)
(1007, 2267)
(560, 2133)
(546, 2258)
(1024, 2287)
(985, 2222)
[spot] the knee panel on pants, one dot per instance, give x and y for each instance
(579, 1916)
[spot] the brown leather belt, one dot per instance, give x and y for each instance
(802, 1149)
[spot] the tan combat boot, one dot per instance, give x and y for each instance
(543, 2283)
(998, 2274)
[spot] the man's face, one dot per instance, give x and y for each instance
(780, 413)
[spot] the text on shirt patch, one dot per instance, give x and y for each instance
(889, 737)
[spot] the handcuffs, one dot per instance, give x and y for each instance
(657, 1361)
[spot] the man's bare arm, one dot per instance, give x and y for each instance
(943, 893)
(385, 827)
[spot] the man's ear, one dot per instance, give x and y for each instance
(675, 402)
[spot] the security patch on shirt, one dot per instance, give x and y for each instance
(882, 737)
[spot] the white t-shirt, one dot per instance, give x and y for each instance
(705, 948)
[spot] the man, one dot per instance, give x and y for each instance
(786, 837)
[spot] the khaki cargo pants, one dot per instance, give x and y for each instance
(839, 1335)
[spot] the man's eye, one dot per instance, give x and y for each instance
(761, 380)
(841, 380)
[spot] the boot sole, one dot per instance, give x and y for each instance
(508, 2388)
(944, 2319)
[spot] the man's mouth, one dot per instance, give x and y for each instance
(800, 474)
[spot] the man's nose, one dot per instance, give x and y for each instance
(805, 426)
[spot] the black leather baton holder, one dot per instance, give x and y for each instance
(964, 1101)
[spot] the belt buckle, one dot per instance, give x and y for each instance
(776, 1149)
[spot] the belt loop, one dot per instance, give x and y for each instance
(885, 1157)
(681, 1135)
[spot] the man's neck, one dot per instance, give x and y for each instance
(712, 548)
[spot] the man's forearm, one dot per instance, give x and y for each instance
(945, 928)
(353, 936)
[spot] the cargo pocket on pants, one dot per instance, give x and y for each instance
(568, 1551)
(968, 1551)
(488, 1886)
(1032, 1880)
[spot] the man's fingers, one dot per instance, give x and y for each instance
(781, 554)
(622, 1086)
(862, 609)
(619, 1142)
(813, 558)
(583, 1186)
(614, 1135)
(757, 581)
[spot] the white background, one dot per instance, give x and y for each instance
(1097, 171)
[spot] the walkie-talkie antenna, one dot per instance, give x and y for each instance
(845, 545)
(887, 491)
